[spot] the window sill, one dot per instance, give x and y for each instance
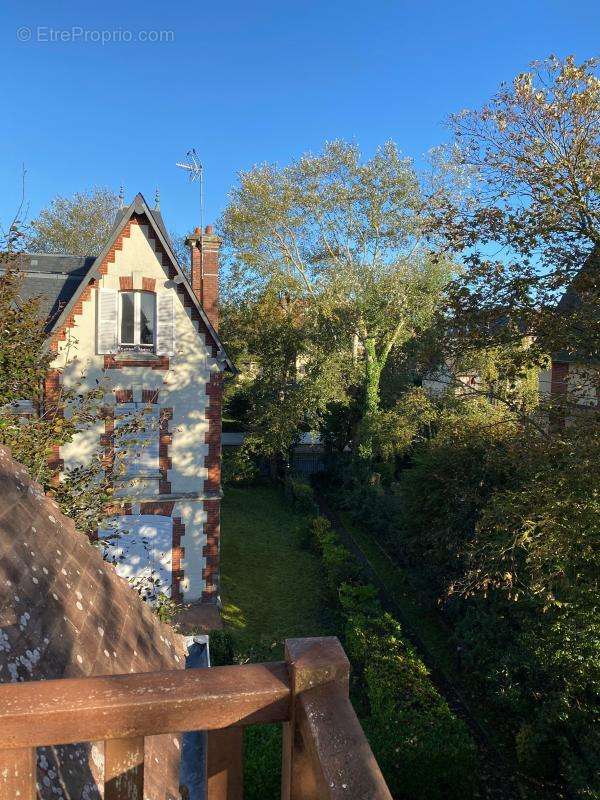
(131, 359)
(136, 355)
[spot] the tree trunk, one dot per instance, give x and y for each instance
(372, 378)
(373, 369)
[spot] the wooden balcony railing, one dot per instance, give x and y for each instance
(325, 753)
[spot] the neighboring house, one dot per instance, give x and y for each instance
(65, 613)
(442, 379)
(130, 320)
(572, 381)
(573, 374)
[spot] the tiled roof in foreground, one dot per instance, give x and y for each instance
(64, 612)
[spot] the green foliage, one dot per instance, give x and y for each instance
(505, 523)
(340, 565)
(165, 608)
(392, 431)
(222, 648)
(276, 394)
(302, 495)
(77, 225)
(451, 476)
(422, 748)
(342, 240)
(23, 362)
(238, 466)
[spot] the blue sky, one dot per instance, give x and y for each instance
(248, 82)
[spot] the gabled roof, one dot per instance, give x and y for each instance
(587, 279)
(62, 279)
(579, 310)
(64, 612)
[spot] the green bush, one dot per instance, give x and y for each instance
(340, 565)
(424, 750)
(238, 466)
(222, 648)
(302, 496)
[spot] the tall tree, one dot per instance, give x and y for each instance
(533, 216)
(77, 225)
(347, 237)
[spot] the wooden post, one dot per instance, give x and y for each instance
(17, 774)
(326, 755)
(225, 770)
(311, 663)
(124, 769)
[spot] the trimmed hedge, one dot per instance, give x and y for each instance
(423, 749)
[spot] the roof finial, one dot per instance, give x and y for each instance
(122, 197)
(157, 200)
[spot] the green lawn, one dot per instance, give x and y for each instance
(271, 590)
(270, 586)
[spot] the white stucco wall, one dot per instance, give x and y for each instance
(182, 387)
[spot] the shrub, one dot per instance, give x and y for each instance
(340, 565)
(424, 750)
(303, 496)
(238, 466)
(222, 648)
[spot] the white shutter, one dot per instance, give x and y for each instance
(107, 320)
(165, 324)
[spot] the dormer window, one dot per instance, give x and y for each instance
(137, 320)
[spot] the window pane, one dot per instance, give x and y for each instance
(147, 318)
(127, 317)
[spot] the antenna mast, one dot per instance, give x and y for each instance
(195, 171)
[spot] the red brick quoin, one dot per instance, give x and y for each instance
(212, 506)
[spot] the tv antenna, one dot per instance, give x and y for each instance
(195, 172)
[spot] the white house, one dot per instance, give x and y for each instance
(130, 319)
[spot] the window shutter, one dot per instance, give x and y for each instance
(165, 324)
(107, 320)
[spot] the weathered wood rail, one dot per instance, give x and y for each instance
(325, 753)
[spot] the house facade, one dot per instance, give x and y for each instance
(131, 322)
(572, 381)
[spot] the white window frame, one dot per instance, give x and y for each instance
(137, 302)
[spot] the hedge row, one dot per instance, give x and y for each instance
(424, 750)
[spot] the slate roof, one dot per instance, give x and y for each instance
(64, 612)
(580, 306)
(52, 278)
(585, 282)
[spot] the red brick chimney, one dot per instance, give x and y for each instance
(204, 249)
